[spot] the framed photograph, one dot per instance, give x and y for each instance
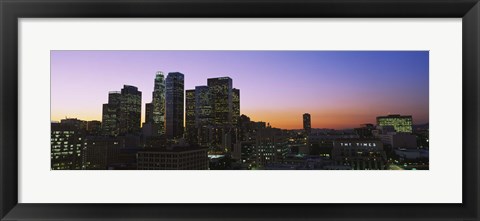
(255, 110)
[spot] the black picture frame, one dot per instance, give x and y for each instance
(12, 10)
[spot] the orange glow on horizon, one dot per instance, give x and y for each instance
(284, 119)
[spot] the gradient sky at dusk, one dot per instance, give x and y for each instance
(340, 89)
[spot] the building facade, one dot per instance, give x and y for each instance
(235, 106)
(98, 152)
(307, 123)
(94, 127)
(111, 114)
(176, 158)
(175, 84)
(190, 128)
(359, 154)
(66, 143)
(122, 113)
(148, 113)
(203, 115)
(401, 124)
(158, 105)
(220, 92)
(130, 110)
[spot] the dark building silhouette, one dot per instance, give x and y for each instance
(122, 113)
(307, 123)
(365, 130)
(176, 158)
(174, 104)
(148, 113)
(246, 153)
(78, 124)
(99, 151)
(359, 154)
(94, 127)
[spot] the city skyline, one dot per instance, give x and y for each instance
(338, 97)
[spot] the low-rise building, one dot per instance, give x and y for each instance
(174, 158)
(66, 143)
(399, 140)
(359, 154)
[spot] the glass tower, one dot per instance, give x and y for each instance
(130, 110)
(122, 114)
(175, 85)
(220, 90)
(203, 115)
(110, 114)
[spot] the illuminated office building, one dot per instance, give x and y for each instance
(66, 143)
(130, 110)
(122, 113)
(190, 130)
(110, 114)
(203, 108)
(307, 123)
(220, 92)
(158, 105)
(175, 84)
(235, 105)
(401, 124)
(270, 144)
(203, 115)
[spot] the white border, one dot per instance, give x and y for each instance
(441, 184)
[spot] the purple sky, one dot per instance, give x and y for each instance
(340, 89)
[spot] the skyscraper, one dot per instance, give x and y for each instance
(402, 124)
(122, 114)
(110, 114)
(174, 106)
(149, 113)
(190, 130)
(220, 91)
(203, 108)
(235, 106)
(203, 115)
(158, 105)
(130, 110)
(307, 123)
